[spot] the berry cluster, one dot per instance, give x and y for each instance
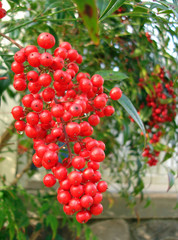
(148, 36)
(163, 111)
(63, 106)
(2, 11)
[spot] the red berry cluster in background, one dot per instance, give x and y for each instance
(63, 106)
(2, 11)
(163, 111)
(148, 36)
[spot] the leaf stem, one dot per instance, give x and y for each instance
(11, 40)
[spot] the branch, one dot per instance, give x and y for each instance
(66, 138)
(6, 135)
(3, 78)
(19, 175)
(11, 40)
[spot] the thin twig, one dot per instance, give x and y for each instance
(19, 175)
(11, 40)
(66, 139)
(3, 78)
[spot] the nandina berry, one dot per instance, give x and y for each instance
(50, 158)
(102, 186)
(20, 125)
(64, 197)
(83, 216)
(73, 129)
(75, 110)
(75, 178)
(37, 105)
(32, 118)
(30, 49)
(94, 119)
(90, 189)
(32, 76)
(96, 209)
(37, 161)
(34, 87)
(97, 198)
(97, 154)
(49, 180)
(34, 59)
(31, 131)
(109, 111)
(2, 13)
(60, 173)
(94, 165)
(44, 79)
(60, 52)
(20, 84)
(86, 201)
(17, 112)
(115, 93)
(58, 63)
(97, 80)
(20, 57)
(88, 173)
(72, 55)
(46, 40)
(57, 111)
(48, 94)
(40, 150)
(65, 185)
(75, 205)
(67, 210)
(77, 191)
(17, 67)
(78, 162)
(46, 59)
(45, 116)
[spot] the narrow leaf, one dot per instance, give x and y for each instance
(88, 12)
(170, 180)
(112, 7)
(111, 75)
(128, 106)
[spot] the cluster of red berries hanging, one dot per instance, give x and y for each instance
(63, 106)
(2, 11)
(163, 111)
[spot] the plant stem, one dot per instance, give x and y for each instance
(11, 40)
(66, 139)
(3, 78)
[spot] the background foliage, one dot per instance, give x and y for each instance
(135, 39)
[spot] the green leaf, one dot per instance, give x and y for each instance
(112, 7)
(170, 180)
(128, 106)
(111, 75)
(88, 11)
(53, 223)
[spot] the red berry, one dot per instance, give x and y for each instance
(78, 162)
(77, 191)
(73, 129)
(49, 180)
(46, 40)
(97, 154)
(86, 201)
(102, 186)
(17, 67)
(75, 178)
(64, 197)
(115, 93)
(96, 209)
